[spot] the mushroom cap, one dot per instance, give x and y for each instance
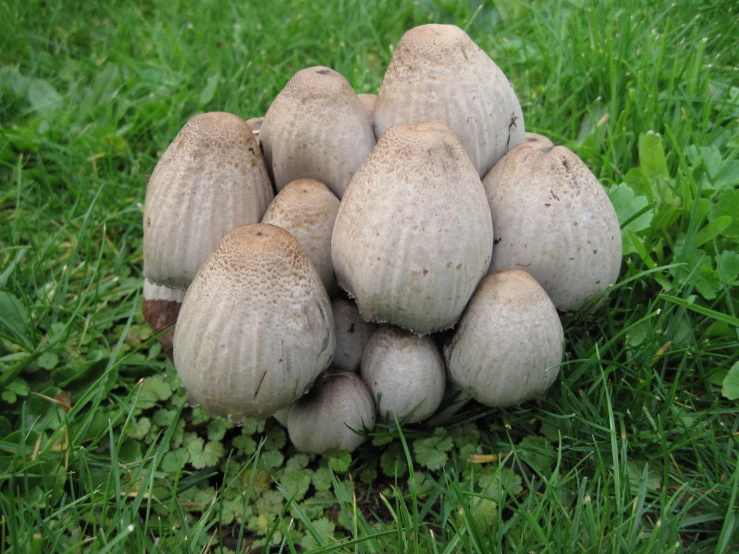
(316, 128)
(553, 219)
(211, 179)
(437, 72)
(413, 235)
(327, 417)
(255, 328)
(352, 334)
(508, 344)
(307, 208)
(405, 374)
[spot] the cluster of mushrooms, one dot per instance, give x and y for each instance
(427, 205)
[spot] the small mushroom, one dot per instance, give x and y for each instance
(255, 328)
(307, 208)
(352, 334)
(413, 235)
(508, 344)
(331, 415)
(438, 73)
(316, 128)
(405, 374)
(553, 219)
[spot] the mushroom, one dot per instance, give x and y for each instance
(352, 334)
(508, 344)
(316, 128)
(553, 219)
(307, 208)
(331, 415)
(413, 235)
(438, 73)
(255, 328)
(405, 374)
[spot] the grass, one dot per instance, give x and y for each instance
(635, 448)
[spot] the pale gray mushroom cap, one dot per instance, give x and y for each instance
(508, 344)
(438, 73)
(405, 374)
(553, 219)
(316, 128)
(255, 328)
(413, 235)
(211, 179)
(307, 208)
(352, 334)
(328, 416)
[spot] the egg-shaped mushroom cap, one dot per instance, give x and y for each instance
(255, 328)
(329, 416)
(508, 344)
(316, 128)
(413, 235)
(553, 219)
(307, 208)
(405, 374)
(438, 73)
(211, 178)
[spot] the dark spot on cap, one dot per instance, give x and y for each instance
(323, 71)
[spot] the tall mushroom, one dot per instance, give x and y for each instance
(316, 128)
(255, 328)
(438, 73)
(413, 235)
(553, 219)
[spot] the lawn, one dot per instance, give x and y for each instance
(633, 450)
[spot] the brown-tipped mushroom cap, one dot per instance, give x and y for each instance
(211, 179)
(316, 128)
(437, 72)
(508, 344)
(553, 219)
(352, 334)
(413, 235)
(405, 374)
(307, 208)
(327, 417)
(255, 328)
